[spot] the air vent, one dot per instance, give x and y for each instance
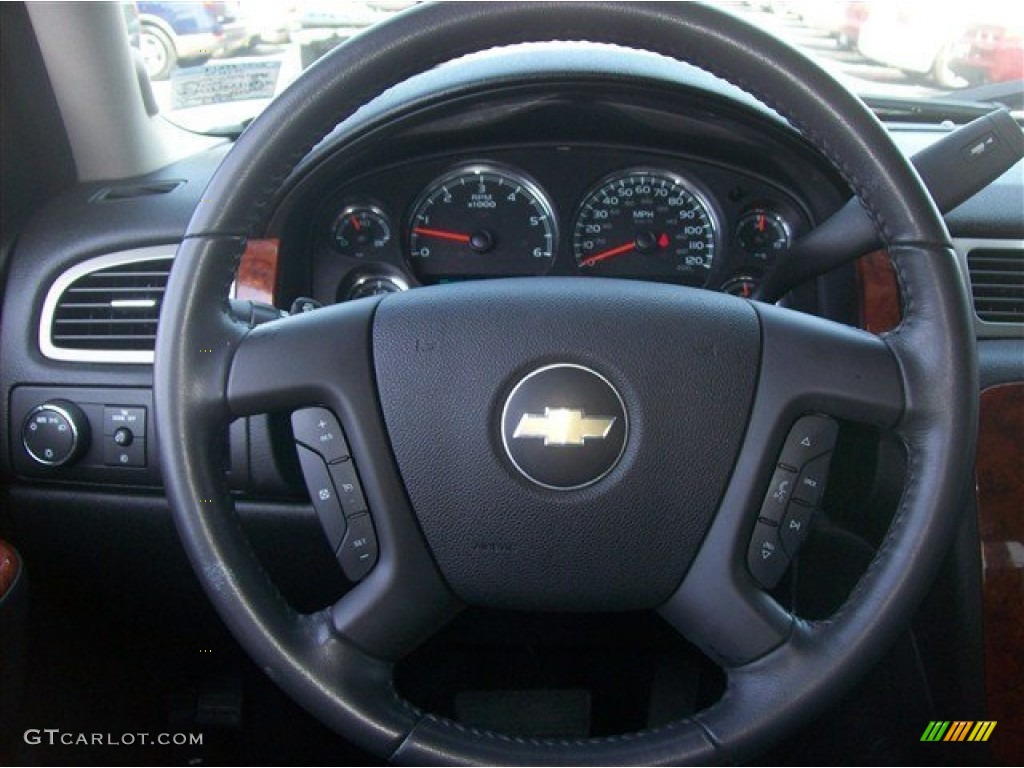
(106, 309)
(997, 283)
(136, 191)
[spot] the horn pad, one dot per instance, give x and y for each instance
(565, 442)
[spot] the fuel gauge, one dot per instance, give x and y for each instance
(361, 230)
(763, 235)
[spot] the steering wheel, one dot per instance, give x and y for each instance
(663, 518)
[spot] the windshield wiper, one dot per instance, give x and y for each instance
(954, 108)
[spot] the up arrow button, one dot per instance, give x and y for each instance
(319, 430)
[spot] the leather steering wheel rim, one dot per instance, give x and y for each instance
(335, 662)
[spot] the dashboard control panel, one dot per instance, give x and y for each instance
(84, 433)
(104, 435)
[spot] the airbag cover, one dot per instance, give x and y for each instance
(684, 362)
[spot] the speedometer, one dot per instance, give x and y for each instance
(646, 223)
(481, 220)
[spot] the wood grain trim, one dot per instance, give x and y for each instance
(999, 471)
(257, 272)
(879, 293)
(9, 567)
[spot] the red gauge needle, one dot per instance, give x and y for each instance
(356, 224)
(442, 234)
(611, 253)
(644, 242)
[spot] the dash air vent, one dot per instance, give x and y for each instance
(136, 191)
(997, 283)
(105, 309)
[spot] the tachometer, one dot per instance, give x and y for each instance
(646, 223)
(481, 220)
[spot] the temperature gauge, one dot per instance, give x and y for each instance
(763, 235)
(361, 230)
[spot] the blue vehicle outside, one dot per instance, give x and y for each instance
(188, 33)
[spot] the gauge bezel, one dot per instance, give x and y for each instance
(694, 188)
(400, 283)
(352, 208)
(509, 173)
(771, 213)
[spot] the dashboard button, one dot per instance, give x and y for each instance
(118, 455)
(55, 433)
(358, 552)
(795, 527)
(811, 436)
(811, 485)
(317, 428)
(766, 558)
(780, 491)
(321, 492)
(130, 417)
(350, 492)
(48, 436)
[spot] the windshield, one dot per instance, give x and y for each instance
(215, 65)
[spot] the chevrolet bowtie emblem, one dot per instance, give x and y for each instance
(564, 426)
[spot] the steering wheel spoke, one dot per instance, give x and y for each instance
(323, 359)
(397, 608)
(320, 357)
(812, 371)
(810, 365)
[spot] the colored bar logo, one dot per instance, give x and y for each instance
(958, 730)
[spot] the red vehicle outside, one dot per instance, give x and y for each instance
(856, 15)
(990, 53)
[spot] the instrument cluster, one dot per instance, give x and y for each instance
(574, 212)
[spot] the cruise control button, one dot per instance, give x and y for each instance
(811, 436)
(795, 527)
(317, 428)
(350, 492)
(811, 485)
(766, 558)
(780, 490)
(321, 492)
(358, 552)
